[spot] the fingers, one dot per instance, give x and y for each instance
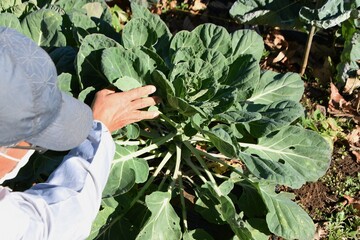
(144, 102)
(140, 92)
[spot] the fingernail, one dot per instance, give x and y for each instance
(152, 89)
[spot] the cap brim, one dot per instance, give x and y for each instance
(69, 129)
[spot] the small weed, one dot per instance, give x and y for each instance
(329, 128)
(344, 224)
(340, 187)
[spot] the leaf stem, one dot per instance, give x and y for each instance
(146, 149)
(193, 167)
(212, 158)
(182, 201)
(171, 122)
(201, 161)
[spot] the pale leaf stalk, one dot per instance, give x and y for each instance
(177, 166)
(194, 168)
(202, 163)
(171, 122)
(130, 143)
(182, 202)
(166, 175)
(146, 149)
(215, 159)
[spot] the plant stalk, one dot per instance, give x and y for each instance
(146, 149)
(307, 50)
(202, 163)
(182, 201)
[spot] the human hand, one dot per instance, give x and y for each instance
(118, 109)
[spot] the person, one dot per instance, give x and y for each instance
(35, 115)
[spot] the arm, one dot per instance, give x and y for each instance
(65, 206)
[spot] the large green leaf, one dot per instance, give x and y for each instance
(186, 39)
(92, 8)
(218, 62)
(214, 37)
(64, 58)
(137, 33)
(163, 223)
(244, 74)
(283, 13)
(222, 140)
(216, 206)
(6, 4)
(125, 172)
(246, 42)
(118, 63)
(274, 87)
(332, 13)
(290, 157)
(350, 56)
(88, 64)
(44, 27)
(11, 21)
(162, 31)
(273, 116)
(285, 218)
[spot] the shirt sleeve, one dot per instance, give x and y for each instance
(65, 206)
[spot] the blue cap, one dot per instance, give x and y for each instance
(32, 108)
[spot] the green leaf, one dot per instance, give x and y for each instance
(119, 63)
(44, 28)
(186, 39)
(6, 4)
(332, 13)
(283, 13)
(266, 12)
(214, 37)
(218, 62)
(100, 221)
(214, 199)
(285, 218)
(164, 86)
(239, 116)
(222, 141)
(273, 116)
(162, 31)
(274, 87)
(289, 157)
(163, 223)
(127, 83)
(137, 33)
(125, 172)
(350, 56)
(64, 58)
(64, 82)
(11, 21)
(197, 234)
(246, 42)
(222, 101)
(88, 65)
(244, 74)
(194, 80)
(184, 107)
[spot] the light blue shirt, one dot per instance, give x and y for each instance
(65, 206)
